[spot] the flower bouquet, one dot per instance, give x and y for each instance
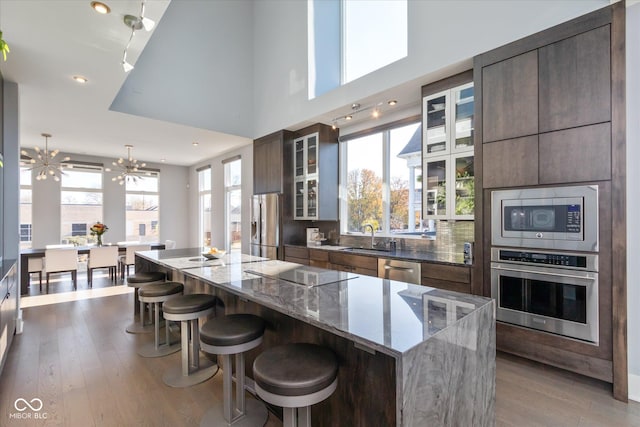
(98, 229)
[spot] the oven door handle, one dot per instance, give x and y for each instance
(546, 273)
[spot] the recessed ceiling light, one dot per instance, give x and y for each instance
(100, 7)
(348, 117)
(392, 102)
(80, 79)
(163, 160)
(194, 143)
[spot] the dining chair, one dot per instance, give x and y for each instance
(61, 261)
(36, 265)
(102, 257)
(60, 246)
(129, 258)
(169, 244)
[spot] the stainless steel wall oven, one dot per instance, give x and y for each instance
(544, 259)
(549, 291)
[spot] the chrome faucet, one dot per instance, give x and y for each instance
(372, 231)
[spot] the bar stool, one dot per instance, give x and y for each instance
(233, 335)
(136, 281)
(295, 376)
(187, 309)
(156, 294)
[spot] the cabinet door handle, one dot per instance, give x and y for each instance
(393, 267)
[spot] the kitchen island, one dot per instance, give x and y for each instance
(409, 355)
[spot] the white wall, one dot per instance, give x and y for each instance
(218, 197)
(633, 195)
(174, 208)
(441, 35)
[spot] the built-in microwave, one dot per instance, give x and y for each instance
(564, 218)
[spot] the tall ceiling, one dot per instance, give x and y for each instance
(51, 41)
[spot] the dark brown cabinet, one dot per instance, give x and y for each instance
(358, 264)
(268, 160)
(296, 254)
(449, 277)
(575, 81)
(511, 163)
(510, 98)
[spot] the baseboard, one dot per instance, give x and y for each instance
(634, 387)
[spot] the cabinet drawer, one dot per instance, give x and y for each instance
(450, 273)
(296, 252)
(319, 264)
(355, 270)
(318, 255)
(303, 261)
(369, 263)
(447, 285)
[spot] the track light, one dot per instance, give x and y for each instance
(135, 23)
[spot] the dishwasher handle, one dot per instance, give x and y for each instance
(393, 267)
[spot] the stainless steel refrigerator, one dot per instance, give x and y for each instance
(266, 225)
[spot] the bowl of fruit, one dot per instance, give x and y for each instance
(213, 253)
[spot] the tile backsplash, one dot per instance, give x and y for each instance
(449, 238)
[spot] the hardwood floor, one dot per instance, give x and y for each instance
(76, 357)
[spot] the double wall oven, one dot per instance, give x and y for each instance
(544, 259)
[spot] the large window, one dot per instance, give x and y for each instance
(80, 203)
(381, 180)
(204, 205)
(374, 34)
(350, 38)
(142, 201)
(233, 203)
(26, 214)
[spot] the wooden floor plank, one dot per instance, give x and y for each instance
(77, 358)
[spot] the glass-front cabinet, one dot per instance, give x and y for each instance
(306, 177)
(447, 150)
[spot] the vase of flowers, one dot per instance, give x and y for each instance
(98, 229)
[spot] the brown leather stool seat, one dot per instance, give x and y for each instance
(233, 334)
(136, 281)
(188, 309)
(296, 376)
(157, 294)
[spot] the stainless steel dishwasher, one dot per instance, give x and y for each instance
(403, 271)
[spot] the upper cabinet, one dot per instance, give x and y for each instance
(268, 162)
(315, 175)
(510, 98)
(575, 81)
(447, 151)
(546, 110)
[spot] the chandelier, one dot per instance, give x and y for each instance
(43, 161)
(127, 169)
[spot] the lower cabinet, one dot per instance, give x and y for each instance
(296, 254)
(319, 258)
(358, 264)
(449, 277)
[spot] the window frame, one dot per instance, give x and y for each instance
(228, 190)
(202, 192)
(385, 129)
(95, 168)
(149, 173)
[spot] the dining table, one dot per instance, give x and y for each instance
(25, 254)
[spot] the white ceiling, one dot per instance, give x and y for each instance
(51, 41)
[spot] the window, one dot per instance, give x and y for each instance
(80, 202)
(384, 187)
(350, 38)
(374, 34)
(204, 209)
(25, 233)
(142, 201)
(233, 203)
(25, 208)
